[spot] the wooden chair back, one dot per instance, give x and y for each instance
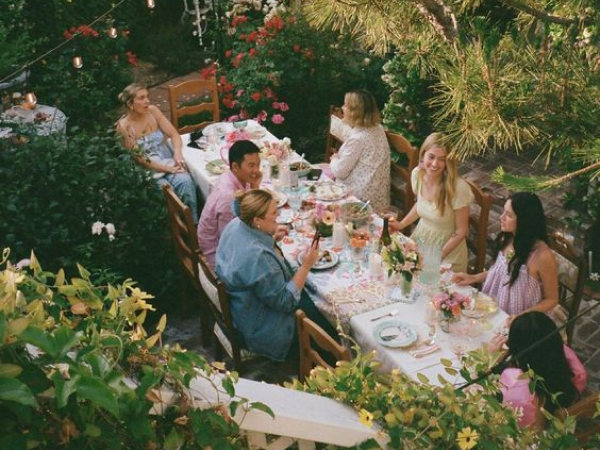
(584, 409)
(191, 98)
(309, 332)
(219, 303)
(400, 174)
(478, 226)
(571, 278)
(185, 242)
(333, 143)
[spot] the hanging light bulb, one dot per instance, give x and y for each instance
(77, 62)
(150, 4)
(30, 98)
(112, 32)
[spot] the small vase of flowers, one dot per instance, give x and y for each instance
(403, 260)
(324, 216)
(450, 306)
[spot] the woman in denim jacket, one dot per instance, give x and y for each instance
(264, 291)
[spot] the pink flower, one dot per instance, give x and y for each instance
(240, 93)
(277, 119)
(283, 106)
(261, 117)
(233, 118)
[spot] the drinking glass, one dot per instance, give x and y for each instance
(295, 200)
(390, 212)
(459, 345)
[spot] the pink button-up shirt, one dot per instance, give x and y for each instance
(217, 213)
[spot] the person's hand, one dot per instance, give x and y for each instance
(311, 256)
(256, 180)
(394, 226)
(179, 162)
(497, 342)
(281, 232)
(462, 279)
(509, 320)
(175, 169)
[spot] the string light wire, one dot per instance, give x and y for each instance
(65, 42)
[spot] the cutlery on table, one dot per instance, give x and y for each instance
(364, 206)
(393, 312)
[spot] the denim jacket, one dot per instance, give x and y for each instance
(261, 292)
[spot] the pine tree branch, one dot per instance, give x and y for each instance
(441, 18)
(540, 14)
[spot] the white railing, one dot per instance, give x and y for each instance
(300, 418)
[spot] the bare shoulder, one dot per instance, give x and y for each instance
(544, 256)
(155, 111)
(122, 124)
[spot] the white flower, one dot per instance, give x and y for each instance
(273, 161)
(594, 276)
(286, 142)
(111, 237)
(110, 228)
(23, 263)
(97, 228)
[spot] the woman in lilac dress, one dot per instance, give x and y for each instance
(524, 276)
(145, 129)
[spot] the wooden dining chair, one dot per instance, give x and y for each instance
(223, 329)
(401, 172)
(479, 216)
(333, 142)
(185, 242)
(308, 333)
(584, 410)
(194, 104)
(571, 279)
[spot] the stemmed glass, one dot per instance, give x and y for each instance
(459, 345)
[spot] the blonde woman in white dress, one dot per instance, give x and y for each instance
(363, 161)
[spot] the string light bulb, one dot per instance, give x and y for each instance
(31, 98)
(151, 4)
(112, 32)
(77, 62)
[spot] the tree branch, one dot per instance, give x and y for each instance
(440, 16)
(540, 14)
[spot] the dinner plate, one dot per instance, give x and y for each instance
(329, 191)
(285, 216)
(280, 197)
(216, 167)
(395, 334)
(322, 265)
(219, 128)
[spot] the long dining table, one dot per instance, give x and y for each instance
(350, 295)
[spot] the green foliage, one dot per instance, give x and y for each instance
(77, 370)
(15, 42)
(280, 59)
(53, 191)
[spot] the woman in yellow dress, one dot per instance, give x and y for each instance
(442, 204)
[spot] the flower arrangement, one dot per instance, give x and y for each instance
(402, 257)
(275, 153)
(450, 304)
(324, 216)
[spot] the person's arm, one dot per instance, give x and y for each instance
(461, 227)
(346, 158)
(223, 213)
(543, 267)
(169, 130)
(128, 140)
(407, 220)
(464, 279)
(310, 258)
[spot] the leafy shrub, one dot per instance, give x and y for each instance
(54, 191)
(77, 370)
(275, 58)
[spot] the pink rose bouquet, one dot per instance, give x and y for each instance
(451, 304)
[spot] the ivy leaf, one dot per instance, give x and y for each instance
(262, 407)
(96, 391)
(64, 388)
(162, 323)
(10, 370)
(174, 440)
(13, 390)
(64, 340)
(83, 272)
(227, 384)
(39, 338)
(422, 378)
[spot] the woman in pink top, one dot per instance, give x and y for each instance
(524, 276)
(551, 360)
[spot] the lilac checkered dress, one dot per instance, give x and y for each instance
(522, 295)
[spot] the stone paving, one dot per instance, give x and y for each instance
(586, 341)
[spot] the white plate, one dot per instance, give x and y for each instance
(329, 191)
(285, 216)
(216, 167)
(401, 334)
(219, 128)
(322, 265)
(280, 197)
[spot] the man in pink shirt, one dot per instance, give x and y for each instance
(245, 174)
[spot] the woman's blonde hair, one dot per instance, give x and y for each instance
(251, 204)
(361, 109)
(448, 188)
(128, 94)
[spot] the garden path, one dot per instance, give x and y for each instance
(586, 341)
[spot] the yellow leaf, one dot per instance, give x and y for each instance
(84, 273)
(79, 309)
(219, 365)
(60, 278)
(20, 300)
(154, 396)
(152, 339)
(162, 323)
(34, 264)
(10, 370)
(17, 326)
(112, 312)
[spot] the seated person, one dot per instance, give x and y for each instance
(363, 161)
(524, 276)
(264, 291)
(143, 127)
(442, 206)
(557, 364)
(245, 174)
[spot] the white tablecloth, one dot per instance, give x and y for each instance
(45, 119)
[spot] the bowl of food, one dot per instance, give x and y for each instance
(356, 213)
(301, 167)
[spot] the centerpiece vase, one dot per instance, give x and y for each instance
(326, 230)
(405, 284)
(446, 322)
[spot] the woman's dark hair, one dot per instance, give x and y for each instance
(547, 360)
(531, 227)
(239, 150)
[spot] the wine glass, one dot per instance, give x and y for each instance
(459, 345)
(295, 201)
